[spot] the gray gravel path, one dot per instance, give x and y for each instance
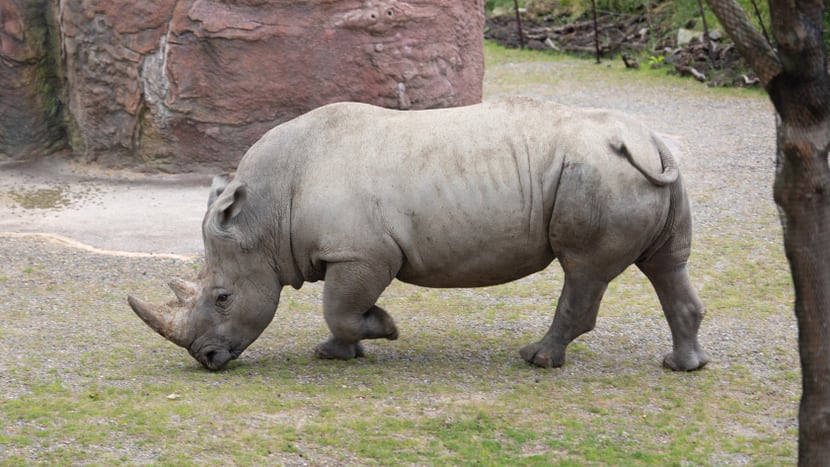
(103, 210)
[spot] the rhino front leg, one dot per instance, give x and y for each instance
(576, 314)
(684, 311)
(349, 296)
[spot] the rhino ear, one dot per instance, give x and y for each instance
(230, 203)
(217, 186)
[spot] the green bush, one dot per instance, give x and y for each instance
(490, 5)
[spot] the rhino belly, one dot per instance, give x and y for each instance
(473, 260)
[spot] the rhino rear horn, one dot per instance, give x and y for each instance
(185, 291)
(170, 322)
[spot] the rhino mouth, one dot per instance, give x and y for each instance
(215, 357)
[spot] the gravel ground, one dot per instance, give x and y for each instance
(727, 146)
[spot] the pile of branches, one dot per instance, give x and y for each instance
(711, 61)
(617, 32)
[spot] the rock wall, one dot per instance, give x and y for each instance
(189, 85)
(30, 113)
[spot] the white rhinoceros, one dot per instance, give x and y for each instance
(357, 196)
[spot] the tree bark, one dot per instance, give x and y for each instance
(798, 84)
(802, 192)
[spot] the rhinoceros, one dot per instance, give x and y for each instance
(356, 196)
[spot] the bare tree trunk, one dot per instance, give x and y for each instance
(519, 25)
(802, 192)
(706, 39)
(596, 29)
(797, 81)
(760, 21)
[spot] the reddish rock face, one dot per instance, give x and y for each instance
(181, 85)
(30, 113)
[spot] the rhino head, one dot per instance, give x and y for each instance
(237, 291)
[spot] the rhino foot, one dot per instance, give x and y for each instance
(691, 361)
(543, 355)
(332, 349)
(378, 324)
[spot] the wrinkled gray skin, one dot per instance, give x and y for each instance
(466, 197)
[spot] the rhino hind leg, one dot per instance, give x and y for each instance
(576, 314)
(349, 296)
(683, 310)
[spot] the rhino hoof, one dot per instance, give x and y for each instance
(377, 324)
(332, 349)
(537, 354)
(691, 362)
(393, 334)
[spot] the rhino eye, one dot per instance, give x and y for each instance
(222, 300)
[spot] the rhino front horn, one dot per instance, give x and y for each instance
(171, 323)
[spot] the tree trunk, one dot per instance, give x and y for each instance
(802, 192)
(797, 81)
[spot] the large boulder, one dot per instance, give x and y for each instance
(183, 85)
(30, 111)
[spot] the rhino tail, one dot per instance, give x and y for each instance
(670, 171)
